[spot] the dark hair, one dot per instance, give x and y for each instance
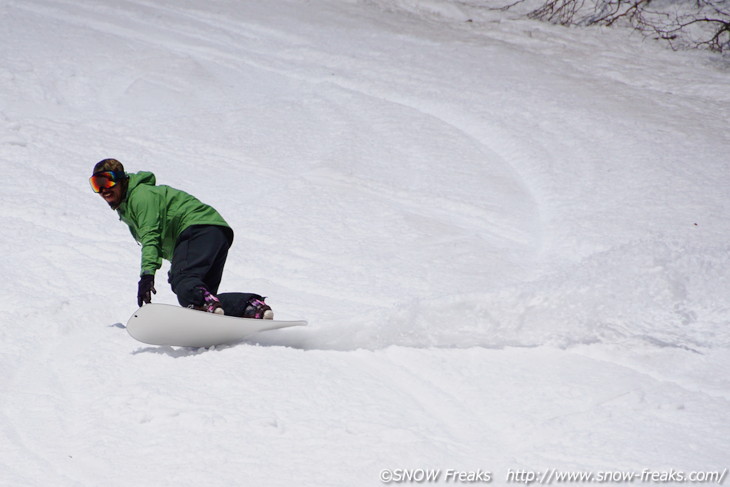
(108, 165)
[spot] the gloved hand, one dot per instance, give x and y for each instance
(146, 289)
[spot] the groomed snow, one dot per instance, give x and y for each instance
(510, 240)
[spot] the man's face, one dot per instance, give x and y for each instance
(113, 195)
(110, 186)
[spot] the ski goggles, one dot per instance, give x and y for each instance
(106, 179)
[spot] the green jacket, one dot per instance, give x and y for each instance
(157, 215)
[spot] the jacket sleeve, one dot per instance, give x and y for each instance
(147, 207)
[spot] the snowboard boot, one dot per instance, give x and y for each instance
(259, 310)
(211, 303)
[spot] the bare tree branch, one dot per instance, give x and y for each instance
(702, 24)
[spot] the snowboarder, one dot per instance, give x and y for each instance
(174, 225)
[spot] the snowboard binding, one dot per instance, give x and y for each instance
(259, 310)
(211, 303)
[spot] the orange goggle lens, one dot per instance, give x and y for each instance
(105, 179)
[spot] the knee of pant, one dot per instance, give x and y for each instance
(173, 280)
(188, 291)
(181, 280)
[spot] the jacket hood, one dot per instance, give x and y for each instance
(134, 180)
(139, 178)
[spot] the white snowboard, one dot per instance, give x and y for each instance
(164, 324)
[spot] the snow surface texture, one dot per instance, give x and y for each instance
(510, 240)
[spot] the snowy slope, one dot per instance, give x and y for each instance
(510, 240)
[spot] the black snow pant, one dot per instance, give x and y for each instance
(197, 262)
